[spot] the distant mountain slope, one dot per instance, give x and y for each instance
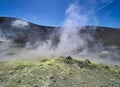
(21, 31)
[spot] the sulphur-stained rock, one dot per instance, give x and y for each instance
(57, 73)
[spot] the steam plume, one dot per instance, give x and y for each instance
(70, 39)
(71, 43)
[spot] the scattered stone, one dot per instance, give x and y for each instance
(19, 81)
(106, 67)
(35, 86)
(80, 64)
(54, 81)
(116, 66)
(41, 64)
(23, 75)
(87, 61)
(11, 72)
(70, 73)
(50, 64)
(40, 78)
(10, 53)
(51, 77)
(69, 58)
(44, 60)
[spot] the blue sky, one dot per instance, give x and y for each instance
(52, 12)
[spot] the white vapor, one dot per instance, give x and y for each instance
(72, 42)
(20, 24)
(70, 39)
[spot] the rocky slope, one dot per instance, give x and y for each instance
(60, 72)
